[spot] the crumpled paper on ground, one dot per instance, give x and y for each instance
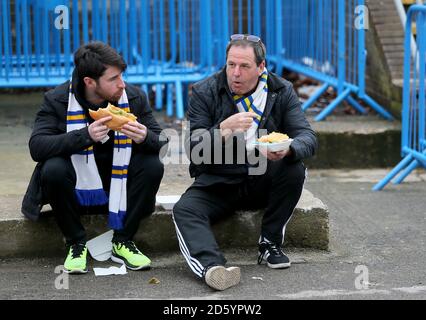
(110, 271)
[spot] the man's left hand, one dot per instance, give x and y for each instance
(135, 131)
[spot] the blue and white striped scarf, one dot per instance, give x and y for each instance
(256, 103)
(88, 189)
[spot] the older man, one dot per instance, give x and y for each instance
(232, 106)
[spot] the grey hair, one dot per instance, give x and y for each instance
(258, 48)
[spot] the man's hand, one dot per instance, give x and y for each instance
(135, 131)
(98, 130)
(239, 122)
(275, 156)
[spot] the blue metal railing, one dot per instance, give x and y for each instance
(318, 38)
(166, 43)
(169, 43)
(413, 140)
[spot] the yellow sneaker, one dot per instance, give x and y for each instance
(76, 261)
(127, 253)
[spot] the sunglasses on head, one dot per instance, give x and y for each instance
(248, 37)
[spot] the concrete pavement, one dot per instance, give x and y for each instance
(376, 252)
(375, 248)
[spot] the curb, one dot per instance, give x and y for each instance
(308, 228)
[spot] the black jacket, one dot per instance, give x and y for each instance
(211, 103)
(50, 139)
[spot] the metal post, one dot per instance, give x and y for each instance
(45, 37)
(341, 47)
(421, 37)
(6, 28)
(362, 54)
(123, 31)
(67, 51)
(85, 22)
(279, 34)
(76, 24)
(26, 40)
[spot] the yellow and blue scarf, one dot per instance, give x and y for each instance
(256, 103)
(89, 189)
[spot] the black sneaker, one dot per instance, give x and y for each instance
(273, 255)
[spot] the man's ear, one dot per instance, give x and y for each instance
(261, 67)
(89, 82)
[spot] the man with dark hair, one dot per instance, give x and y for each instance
(84, 167)
(234, 105)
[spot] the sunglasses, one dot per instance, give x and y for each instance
(249, 37)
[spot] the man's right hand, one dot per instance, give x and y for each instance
(98, 130)
(239, 122)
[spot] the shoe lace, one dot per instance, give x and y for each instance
(260, 258)
(275, 249)
(77, 250)
(272, 248)
(130, 245)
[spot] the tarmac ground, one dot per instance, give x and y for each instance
(376, 250)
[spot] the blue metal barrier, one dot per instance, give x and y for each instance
(413, 141)
(332, 50)
(320, 39)
(166, 43)
(170, 43)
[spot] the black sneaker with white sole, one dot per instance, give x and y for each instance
(273, 255)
